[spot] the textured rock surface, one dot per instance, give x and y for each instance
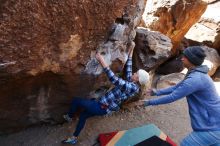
(152, 49)
(55, 36)
(207, 30)
(169, 80)
(173, 65)
(216, 76)
(45, 47)
(173, 18)
(212, 59)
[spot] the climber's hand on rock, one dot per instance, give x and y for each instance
(131, 46)
(101, 60)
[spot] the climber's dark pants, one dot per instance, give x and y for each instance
(90, 108)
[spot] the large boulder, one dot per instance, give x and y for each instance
(206, 30)
(173, 18)
(173, 65)
(152, 49)
(212, 59)
(165, 81)
(45, 52)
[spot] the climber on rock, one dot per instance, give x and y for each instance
(111, 101)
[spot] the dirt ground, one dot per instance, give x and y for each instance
(172, 119)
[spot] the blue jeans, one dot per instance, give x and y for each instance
(90, 108)
(207, 138)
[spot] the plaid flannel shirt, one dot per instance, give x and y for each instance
(123, 89)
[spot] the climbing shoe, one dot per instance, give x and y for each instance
(70, 141)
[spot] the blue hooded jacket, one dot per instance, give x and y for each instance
(202, 97)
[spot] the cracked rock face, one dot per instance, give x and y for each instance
(173, 17)
(122, 32)
(47, 53)
(152, 49)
